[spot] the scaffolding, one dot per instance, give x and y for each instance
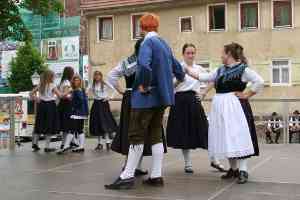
(50, 26)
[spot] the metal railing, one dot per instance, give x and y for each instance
(262, 109)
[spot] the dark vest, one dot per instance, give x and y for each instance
(229, 79)
(130, 80)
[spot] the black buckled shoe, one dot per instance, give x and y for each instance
(139, 172)
(243, 177)
(49, 150)
(219, 167)
(155, 182)
(73, 145)
(63, 151)
(231, 174)
(78, 150)
(121, 184)
(35, 148)
(99, 147)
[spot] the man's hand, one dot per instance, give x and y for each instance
(142, 89)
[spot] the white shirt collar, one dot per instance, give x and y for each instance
(183, 63)
(151, 34)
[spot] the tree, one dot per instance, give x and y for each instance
(11, 24)
(27, 61)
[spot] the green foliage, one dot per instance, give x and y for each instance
(11, 24)
(27, 61)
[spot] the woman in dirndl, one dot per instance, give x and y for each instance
(102, 122)
(232, 133)
(127, 69)
(64, 107)
(46, 120)
(187, 127)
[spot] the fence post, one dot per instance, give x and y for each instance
(285, 107)
(12, 104)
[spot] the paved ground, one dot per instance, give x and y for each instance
(38, 176)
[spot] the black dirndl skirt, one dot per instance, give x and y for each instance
(101, 119)
(251, 124)
(187, 123)
(64, 110)
(120, 143)
(46, 119)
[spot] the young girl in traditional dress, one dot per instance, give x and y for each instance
(187, 123)
(79, 113)
(46, 121)
(232, 132)
(102, 122)
(65, 104)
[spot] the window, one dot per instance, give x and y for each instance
(52, 50)
(105, 28)
(280, 72)
(217, 17)
(249, 15)
(282, 14)
(135, 26)
(186, 24)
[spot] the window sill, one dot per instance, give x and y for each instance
(104, 40)
(136, 39)
(217, 30)
(281, 84)
(187, 31)
(283, 28)
(249, 29)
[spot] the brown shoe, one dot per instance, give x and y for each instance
(156, 182)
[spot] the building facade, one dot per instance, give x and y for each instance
(57, 36)
(268, 29)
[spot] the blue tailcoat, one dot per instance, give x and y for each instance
(156, 69)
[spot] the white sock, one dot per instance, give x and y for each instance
(134, 155)
(187, 158)
(63, 139)
(215, 161)
(35, 139)
(107, 139)
(99, 139)
(243, 165)
(233, 164)
(157, 157)
(140, 163)
(47, 141)
(81, 140)
(75, 140)
(68, 141)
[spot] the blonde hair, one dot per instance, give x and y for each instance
(73, 80)
(102, 83)
(46, 78)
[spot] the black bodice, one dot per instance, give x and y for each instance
(229, 79)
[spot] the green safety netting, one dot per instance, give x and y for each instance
(51, 26)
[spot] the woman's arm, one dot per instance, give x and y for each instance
(257, 84)
(201, 76)
(57, 93)
(113, 78)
